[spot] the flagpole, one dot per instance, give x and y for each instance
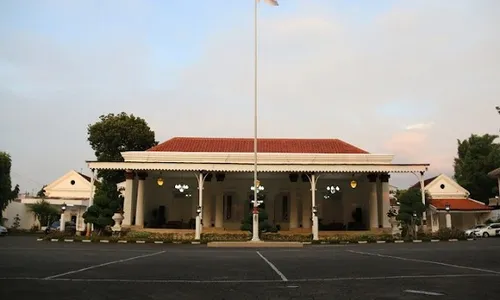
(255, 224)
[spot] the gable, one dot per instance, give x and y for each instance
(445, 187)
(70, 185)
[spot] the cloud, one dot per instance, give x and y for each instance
(321, 74)
(420, 126)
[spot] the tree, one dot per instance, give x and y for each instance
(107, 201)
(113, 134)
(45, 212)
(477, 156)
(411, 210)
(7, 194)
(264, 226)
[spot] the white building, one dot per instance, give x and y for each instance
(215, 175)
(73, 189)
(463, 213)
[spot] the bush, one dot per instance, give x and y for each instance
(447, 233)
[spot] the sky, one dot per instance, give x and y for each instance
(407, 78)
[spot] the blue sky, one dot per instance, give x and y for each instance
(362, 71)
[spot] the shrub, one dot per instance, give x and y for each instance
(447, 233)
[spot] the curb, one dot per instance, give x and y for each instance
(304, 243)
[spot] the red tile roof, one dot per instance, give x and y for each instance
(426, 182)
(317, 146)
(459, 204)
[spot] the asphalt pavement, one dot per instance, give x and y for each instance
(56, 270)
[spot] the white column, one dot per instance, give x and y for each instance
(448, 220)
(219, 210)
(380, 213)
(294, 209)
(127, 202)
(139, 211)
(386, 202)
(422, 191)
(314, 207)
(62, 222)
(91, 198)
(199, 211)
(373, 207)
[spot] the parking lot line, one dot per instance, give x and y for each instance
(304, 280)
(425, 261)
(102, 265)
(423, 293)
(283, 277)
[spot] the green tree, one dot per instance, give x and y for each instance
(116, 133)
(477, 156)
(45, 212)
(411, 210)
(107, 201)
(7, 194)
(41, 192)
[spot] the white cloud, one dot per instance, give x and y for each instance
(420, 126)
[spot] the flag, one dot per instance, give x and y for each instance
(271, 2)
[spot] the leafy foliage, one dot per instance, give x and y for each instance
(45, 212)
(7, 194)
(16, 222)
(264, 226)
(113, 134)
(107, 201)
(410, 203)
(477, 156)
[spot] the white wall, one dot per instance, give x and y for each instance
(451, 188)
(27, 218)
(64, 188)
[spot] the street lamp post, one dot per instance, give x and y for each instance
(62, 223)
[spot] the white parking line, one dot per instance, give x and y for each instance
(423, 293)
(283, 277)
(425, 261)
(222, 281)
(102, 265)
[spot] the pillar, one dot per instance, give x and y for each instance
(372, 201)
(219, 210)
(139, 210)
(314, 208)
(386, 202)
(380, 213)
(294, 209)
(90, 227)
(422, 191)
(199, 210)
(448, 220)
(128, 201)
